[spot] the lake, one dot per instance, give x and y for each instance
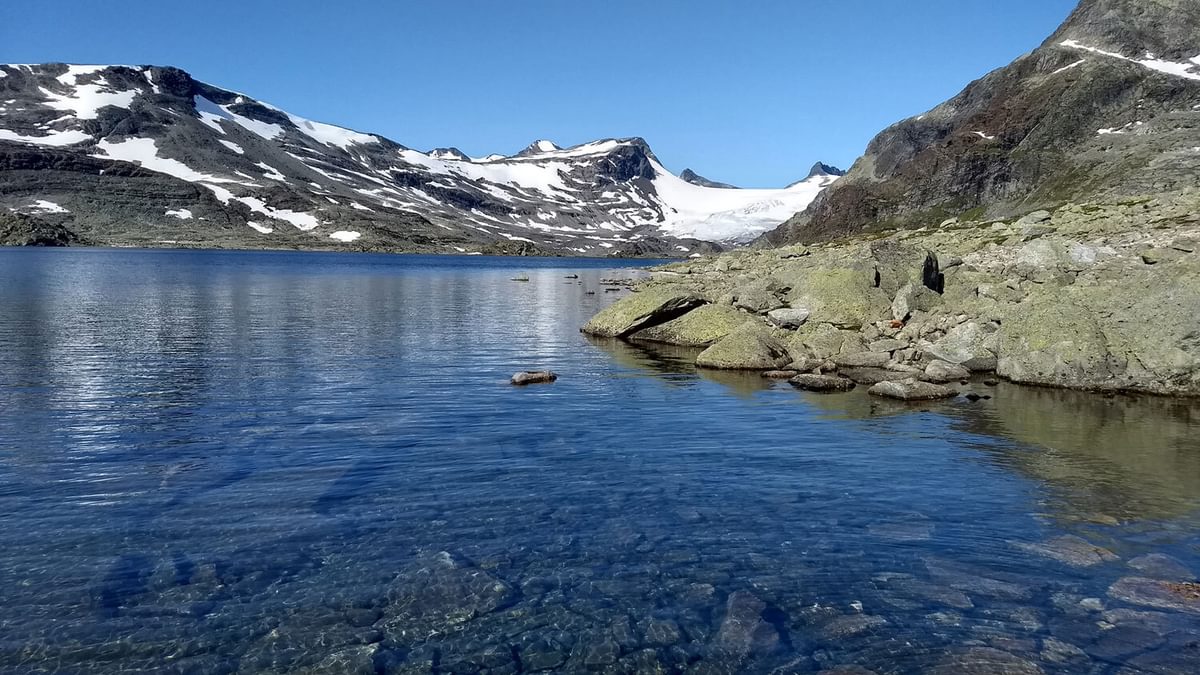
(218, 462)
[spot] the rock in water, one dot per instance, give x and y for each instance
(439, 592)
(1178, 596)
(641, 310)
(780, 374)
(1071, 550)
(942, 371)
(911, 390)
(749, 347)
(534, 377)
(743, 630)
(821, 383)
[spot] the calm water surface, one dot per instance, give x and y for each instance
(272, 462)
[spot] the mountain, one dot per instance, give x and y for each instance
(696, 179)
(822, 169)
(1108, 106)
(149, 156)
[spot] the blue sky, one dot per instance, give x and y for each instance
(746, 92)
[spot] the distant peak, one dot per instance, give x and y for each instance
(449, 153)
(538, 148)
(822, 169)
(696, 179)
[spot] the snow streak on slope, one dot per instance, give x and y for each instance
(1189, 70)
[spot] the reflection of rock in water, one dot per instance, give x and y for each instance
(1127, 457)
(668, 360)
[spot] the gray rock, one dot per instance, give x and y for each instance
(984, 661)
(534, 377)
(871, 376)
(758, 297)
(662, 633)
(887, 346)
(911, 390)
(540, 653)
(850, 625)
(790, 318)
(1035, 218)
(1034, 231)
(971, 344)
(780, 374)
(641, 310)
(821, 383)
(912, 298)
(862, 360)
(942, 371)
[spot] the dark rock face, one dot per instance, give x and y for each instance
(1065, 122)
(823, 169)
(696, 179)
(17, 229)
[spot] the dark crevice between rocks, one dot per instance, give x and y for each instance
(663, 316)
(931, 274)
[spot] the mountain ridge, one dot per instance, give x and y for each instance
(249, 174)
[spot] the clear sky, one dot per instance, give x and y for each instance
(743, 91)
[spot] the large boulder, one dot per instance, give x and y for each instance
(942, 371)
(845, 297)
(700, 327)
(759, 297)
(1128, 327)
(821, 383)
(751, 346)
(822, 341)
(971, 345)
(790, 318)
(641, 310)
(913, 298)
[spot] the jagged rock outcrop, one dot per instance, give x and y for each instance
(1108, 106)
(696, 179)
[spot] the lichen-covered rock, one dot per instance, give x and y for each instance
(700, 327)
(913, 298)
(845, 297)
(911, 390)
(790, 318)
(751, 346)
(863, 360)
(642, 310)
(971, 345)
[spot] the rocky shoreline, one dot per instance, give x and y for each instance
(1101, 296)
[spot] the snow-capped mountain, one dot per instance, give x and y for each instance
(150, 156)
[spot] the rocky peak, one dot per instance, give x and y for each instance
(538, 148)
(449, 153)
(696, 179)
(822, 169)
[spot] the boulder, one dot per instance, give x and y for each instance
(971, 345)
(1071, 550)
(534, 377)
(863, 360)
(1176, 596)
(911, 390)
(642, 310)
(913, 298)
(943, 371)
(700, 327)
(790, 318)
(821, 383)
(440, 591)
(780, 374)
(751, 346)
(887, 346)
(758, 297)
(845, 297)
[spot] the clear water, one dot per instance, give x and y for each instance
(280, 462)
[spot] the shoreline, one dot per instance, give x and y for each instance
(1097, 297)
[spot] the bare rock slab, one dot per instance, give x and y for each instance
(641, 310)
(912, 390)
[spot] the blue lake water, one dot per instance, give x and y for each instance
(216, 462)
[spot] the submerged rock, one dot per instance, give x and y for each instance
(1071, 550)
(1179, 596)
(912, 390)
(744, 631)
(780, 374)
(641, 310)
(984, 661)
(1161, 566)
(821, 383)
(749, 347)
(440, 591)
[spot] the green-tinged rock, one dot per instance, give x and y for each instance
(700, 327)
(751, 346)
(843, 296)
(822, 341)
(642, 310)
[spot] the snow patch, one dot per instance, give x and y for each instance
(1064, 69)
(1185, 70)
(984, 136)
(212, 115)
(144, 152)
(330, 134)
(260, 227)
(182, 214)
(232, 146)
(44, 206)
(87, 99)
(344, 236)
(271, 172)
(55, 139)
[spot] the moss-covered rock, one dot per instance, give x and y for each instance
(752, 346)
(700, 327)
(642, 310)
